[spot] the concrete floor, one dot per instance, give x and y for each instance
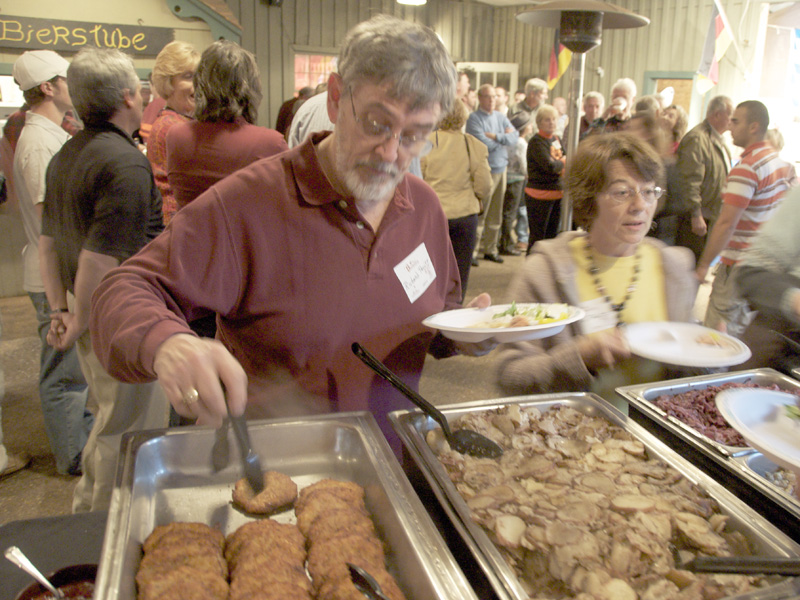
(39, 491)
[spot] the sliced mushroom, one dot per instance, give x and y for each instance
(617, 589)
(632, 503)
(597, 481)
(698, 533)
(509, 530)
(504, 424)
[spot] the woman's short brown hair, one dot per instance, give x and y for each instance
(227, 84)
(586, 173)
(455, 119)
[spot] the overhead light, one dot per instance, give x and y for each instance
(412, 2)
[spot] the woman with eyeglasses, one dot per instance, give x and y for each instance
(457, 168)
(609, 268)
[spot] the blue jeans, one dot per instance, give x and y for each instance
(62, 393)
(511, 202)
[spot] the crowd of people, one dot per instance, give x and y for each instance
(188, 262)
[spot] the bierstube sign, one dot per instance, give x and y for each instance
(70, 36)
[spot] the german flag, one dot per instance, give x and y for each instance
(718, 38)
(560, 57)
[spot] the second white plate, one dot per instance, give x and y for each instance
(679, 344)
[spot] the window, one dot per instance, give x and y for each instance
(504, 75)
(312, 69)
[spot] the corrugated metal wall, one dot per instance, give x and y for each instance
(475, 32)
(673, 42)
(274, 33)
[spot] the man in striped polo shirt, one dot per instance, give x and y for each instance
(753, 190)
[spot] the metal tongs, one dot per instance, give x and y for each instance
(220, 451)
(365, 583)
(220, 456)
(250, 461)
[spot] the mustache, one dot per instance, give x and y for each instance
(386, 168)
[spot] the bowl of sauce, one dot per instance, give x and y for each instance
(76, 582)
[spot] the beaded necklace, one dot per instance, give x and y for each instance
(594, 271)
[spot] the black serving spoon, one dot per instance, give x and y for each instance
(464, 441)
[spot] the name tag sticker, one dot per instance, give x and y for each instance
(416, 272)
(599, 316)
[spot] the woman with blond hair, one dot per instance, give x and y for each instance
(173, 75)
(545, 166)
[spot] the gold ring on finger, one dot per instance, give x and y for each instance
(191, 397)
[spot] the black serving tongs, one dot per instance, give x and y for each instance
(464, 441)
(744, 565)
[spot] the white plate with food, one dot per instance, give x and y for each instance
(685, 344)
(767, 419)
(504, 322)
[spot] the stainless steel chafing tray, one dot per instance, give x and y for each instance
(642, 397)
(165, 476)
(739, 463)
(412, 426)
(753, 469)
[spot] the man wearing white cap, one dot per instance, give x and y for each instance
(41, 75)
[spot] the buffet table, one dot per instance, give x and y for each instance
(56, 542)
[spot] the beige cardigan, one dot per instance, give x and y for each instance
(554, 364)
(458, 179)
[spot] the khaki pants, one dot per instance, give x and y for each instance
(725, 305)
(121, 407)
(492, 218)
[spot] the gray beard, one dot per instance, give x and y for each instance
(368, 192)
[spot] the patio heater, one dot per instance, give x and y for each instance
(581, 23)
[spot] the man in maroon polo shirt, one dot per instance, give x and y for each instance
(302, 254)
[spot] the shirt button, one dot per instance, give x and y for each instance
(343, 204)
(360, 225)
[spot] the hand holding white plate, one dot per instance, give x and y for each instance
(756, 414)
(685, 344)
(472, 324)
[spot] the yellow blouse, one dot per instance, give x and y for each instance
(646, 303)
